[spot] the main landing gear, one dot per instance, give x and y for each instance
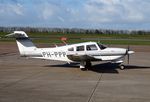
(84, 66)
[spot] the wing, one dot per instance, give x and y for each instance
(82, 57)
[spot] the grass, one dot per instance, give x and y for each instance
(124, 39)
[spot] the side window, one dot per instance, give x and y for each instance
(80, 48)
(71, 49)
(91, 47)
(101, 46)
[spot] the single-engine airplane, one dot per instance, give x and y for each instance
(84, 53)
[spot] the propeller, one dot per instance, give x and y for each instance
(128, 55)
(128, 52)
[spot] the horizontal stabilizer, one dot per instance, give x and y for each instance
(18, 34)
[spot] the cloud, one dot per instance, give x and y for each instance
(16, 9)
(115, 11)
(61, 19)
(76, 13)
(46, 10)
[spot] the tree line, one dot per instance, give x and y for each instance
(72, 30)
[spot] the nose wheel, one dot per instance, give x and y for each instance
(121, 66)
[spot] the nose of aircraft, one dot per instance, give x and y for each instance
(126, 51)
(130, 52)
(120, 50)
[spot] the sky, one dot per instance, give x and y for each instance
(97, 14)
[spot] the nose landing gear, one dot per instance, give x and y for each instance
(121, 66)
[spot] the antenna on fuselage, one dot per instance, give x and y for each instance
(55, 45)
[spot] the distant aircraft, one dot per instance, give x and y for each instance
(84, 53)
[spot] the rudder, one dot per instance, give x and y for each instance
(25, 45)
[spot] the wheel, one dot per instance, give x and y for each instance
(122, 67)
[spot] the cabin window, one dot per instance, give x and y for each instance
(91, 47)
(71, 49)
(101, 46)
(80, 48)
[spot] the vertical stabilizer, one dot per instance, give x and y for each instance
(25, 45)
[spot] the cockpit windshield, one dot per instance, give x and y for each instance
(101, 46)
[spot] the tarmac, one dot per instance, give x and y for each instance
(34, 80)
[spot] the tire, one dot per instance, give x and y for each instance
(122, 67)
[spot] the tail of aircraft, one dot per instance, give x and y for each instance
(25, 45)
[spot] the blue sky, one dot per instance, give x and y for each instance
(107, 14)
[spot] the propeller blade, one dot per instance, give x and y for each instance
(128, 54)
(128, 58)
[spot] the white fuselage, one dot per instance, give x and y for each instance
(60, 53)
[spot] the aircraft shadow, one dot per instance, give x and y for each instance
(101, 68)
(105, 68)
(136, 67)
(66, 65)
(113, 68)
